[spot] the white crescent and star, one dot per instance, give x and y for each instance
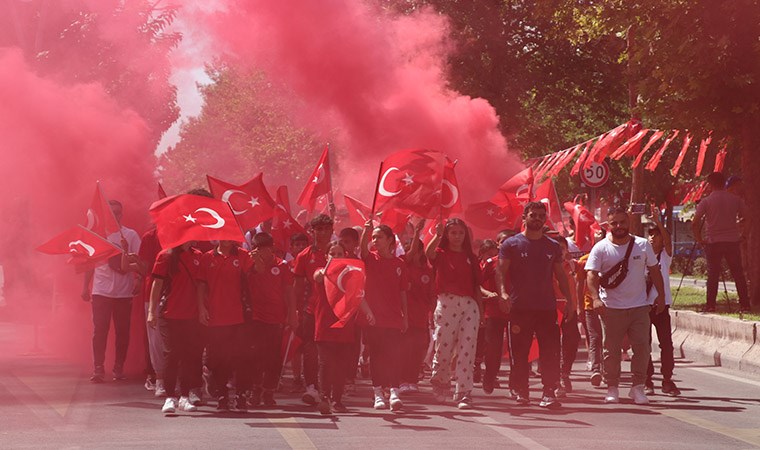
(320, 174)
(230, 192)
(219, 220)
(344, 272)
(454, 194)
(92, 219)
(88, 248)
(381, 188)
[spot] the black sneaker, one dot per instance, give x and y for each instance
(670, 388)
(339, 407)
(255, 398)
(477, 374)
(522, 398)
(118, 374)
(324, 407)
(223, 404)
(488, 386)
(567, 384)
(267, 398)
(549, 401)
(98, 376)
(241, 403)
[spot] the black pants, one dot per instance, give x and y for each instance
(661, 324)
(494, 342)
(522, 326)
(103, 310)
(183, 354)
(356, 351)
(594, 332)
(571, 337)
(334, 358)
(308, 349)
(266, 354)
(384, 356)
(414, 345)
(224, 355)
(714, 254)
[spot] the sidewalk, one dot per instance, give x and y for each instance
(699, 283)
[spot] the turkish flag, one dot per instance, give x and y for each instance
(318, 184)
(283, 227)
(720, 158)
(515, 193)
(652, 139)
(681, 155)
(606, 145)
(655, 161)
(161, 192)
(411, 182)
(87, 249)
(451, 201)
(547, 194)
(581, 159)
(184, 218)
(490, 216)
(344, 285)
(630, 146)
(100, 217)
(290, 345)
(250, 202)
(358, 212)
(566, 158)
(702, 152)
(585, 225)
(283, 198)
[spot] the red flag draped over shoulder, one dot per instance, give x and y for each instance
(100, 218)
(344, 285)
(250, 202)
(184, 218)
(411, 182)
(87, 249)
(318, 184)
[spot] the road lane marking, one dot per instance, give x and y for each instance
(295, 436)
(515, 436)
(727, 376)
(748, 435)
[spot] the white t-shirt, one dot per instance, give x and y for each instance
(109, 283)
(632, 292)
(665, 261)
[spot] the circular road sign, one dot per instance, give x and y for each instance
(595, 175)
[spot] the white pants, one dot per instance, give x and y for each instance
(456, 334)
(155, 347)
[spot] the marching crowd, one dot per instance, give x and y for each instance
(218, 313)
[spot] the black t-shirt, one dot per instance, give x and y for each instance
(531, 271)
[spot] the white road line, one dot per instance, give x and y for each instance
(719, 373)
(295, 436)
(515, 436)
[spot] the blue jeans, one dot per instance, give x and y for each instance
(715, 252)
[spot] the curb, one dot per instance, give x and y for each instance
(717, 340)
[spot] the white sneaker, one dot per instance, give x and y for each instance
(638, 395)
(396, 403)
(405, 388)
(379, 398)
(413, 388)
(186, 405)
(160, 389)
(194, 398)
(311, 396)
(613, 395)
(170, 405)
(149, 384)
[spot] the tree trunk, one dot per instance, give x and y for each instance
(750, 144)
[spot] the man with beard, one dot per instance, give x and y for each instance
(530, 260)
(623, 305)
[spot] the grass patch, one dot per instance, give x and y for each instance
(693, 299)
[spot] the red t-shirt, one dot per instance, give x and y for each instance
(182, 301)
(267, 289)
(386, 280)
(223, 274)
(149, 250)
(307, 262)
(454, 272)
(488, 277)
(324, 318)
(421, 295)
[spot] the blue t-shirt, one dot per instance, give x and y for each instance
(531, 271)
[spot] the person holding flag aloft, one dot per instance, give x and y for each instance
(458, 311)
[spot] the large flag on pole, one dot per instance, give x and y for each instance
(344, 285)
(586, 225)
(87, 249)
(250, 202)
(100, 217)
(184, 218)
(515, 193)
(547, 194)
(318, 184)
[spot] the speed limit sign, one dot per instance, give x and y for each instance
(595, 175)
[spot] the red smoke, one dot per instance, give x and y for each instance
(375, 78)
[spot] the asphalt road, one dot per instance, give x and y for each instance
(48, 403)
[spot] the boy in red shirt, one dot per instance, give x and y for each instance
(273, 306)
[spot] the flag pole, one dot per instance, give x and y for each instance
(377, 188)
(330, 199)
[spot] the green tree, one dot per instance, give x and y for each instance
(244, 127)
